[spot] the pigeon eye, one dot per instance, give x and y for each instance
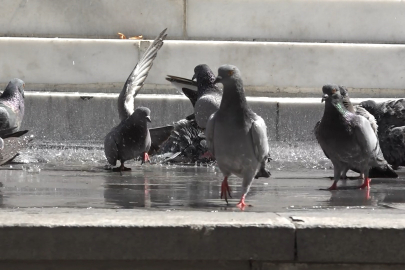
(230, 73)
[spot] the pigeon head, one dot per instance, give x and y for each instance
(331, 92)
(13, 87)
(204, 75)
(227, 74)
(141, 114)
(370, 106)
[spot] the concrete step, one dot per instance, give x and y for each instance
(90, 116)
(370, 21)
(268, 68)
(85, 238)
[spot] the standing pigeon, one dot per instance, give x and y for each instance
(206, 100)
(12, 107)
(236, 136)
(131, 137)
(382, 170)
(390, 116)
(346, 138)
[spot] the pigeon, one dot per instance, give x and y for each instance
(205, 96)
(12, 107)
(236, 136)
(347, 139)
(380, 171)
(390, 116)
(207, 99)
(186, 143)
(131, 137)
(12, 144)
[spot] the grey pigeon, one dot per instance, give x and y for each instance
(208, 96)
(236, 136)
(346, 138)
(382, 170)
(131, 137)
(12, 107)
(206, 100)
(12, 144)
(390, 117)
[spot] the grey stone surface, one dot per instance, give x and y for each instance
(350, 238)
(314, 266)
(90, 117)
(140, 235)
(99, 19)
(313, 20)
(277, 69)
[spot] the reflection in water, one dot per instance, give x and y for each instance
(75, 177)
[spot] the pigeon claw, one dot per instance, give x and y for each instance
(207, 155)
(242, 205)
(145, 158)
(225, 189)
(333, 186)
(366, 184)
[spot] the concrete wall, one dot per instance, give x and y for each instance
(371, 21)
(268, 68)
(89, 117)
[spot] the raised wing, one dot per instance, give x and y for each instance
(137, 77)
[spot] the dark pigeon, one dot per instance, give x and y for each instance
(131, 137)
(128, 140)
(347, 139)
(390, 117)
(236, 136)
(12, 107)
(381, 171)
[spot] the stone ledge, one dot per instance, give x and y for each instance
(268, 68)
(140, 235)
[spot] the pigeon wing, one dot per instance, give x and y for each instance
(137, 77)
(259, 138)
(209, 133)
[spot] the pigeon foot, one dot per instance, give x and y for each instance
(333, 186)
(225, 189)
(145, 158)
(241, 205)
(121, 168)
(207, 155)
(366, 184)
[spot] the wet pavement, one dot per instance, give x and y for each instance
(75, 177)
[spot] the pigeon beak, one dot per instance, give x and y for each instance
(218, 79)
(324, 97)
(194, 77)
(148, 119)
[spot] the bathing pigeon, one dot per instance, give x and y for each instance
(206, 100)
(380, 171)
(12, 144)
(129, 139)
(346, 138)
(236, 136)
(390, 116)
(12, 107)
